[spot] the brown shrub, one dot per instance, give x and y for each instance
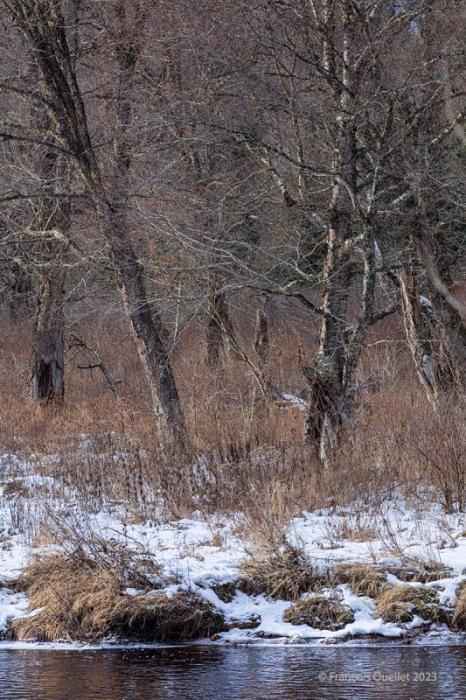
(74, 599)
(255, 460)
(162, 618)
(439, 444)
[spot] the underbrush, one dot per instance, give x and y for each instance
(364, 580)
(248, 452)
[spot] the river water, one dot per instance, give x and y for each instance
(252, 673)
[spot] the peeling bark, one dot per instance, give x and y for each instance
(436, 344)
(435, 326)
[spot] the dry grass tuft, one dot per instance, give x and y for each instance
(285, 573)
(400, 603)
(71, 597)
(421, 571)
(162, 618)
(396, 604)
(364, 580)
(319, 612)
(459, 614)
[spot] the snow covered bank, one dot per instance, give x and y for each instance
(415, 545)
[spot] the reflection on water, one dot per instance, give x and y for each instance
(253, 673)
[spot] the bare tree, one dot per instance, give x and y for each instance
(339, 63)
(47, 379)
(43, 24)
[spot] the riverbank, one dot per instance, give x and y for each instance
(388, 568)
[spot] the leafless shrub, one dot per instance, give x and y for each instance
(251, 455)
(439, 445)
(419, 569)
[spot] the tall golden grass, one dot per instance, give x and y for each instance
(249, 452)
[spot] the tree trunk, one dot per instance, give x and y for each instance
(418, 322)
(147, 328)
(435, 333)
(5, 312)
(327, 410)
(47, 379)
(261, 342)
(218, 317)
(221, 337)
(450, 317)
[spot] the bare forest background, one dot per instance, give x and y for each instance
(232, 236)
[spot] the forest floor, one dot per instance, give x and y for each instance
(388, 569)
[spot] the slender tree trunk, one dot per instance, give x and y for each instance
(221, 337)
(418, 322)
(47, 382)
(147, 326)
(147, 330)
(356, 338)
(450, 320)
(47, 378)
(261, 335)
(434, 328)
(5, 312)
(327, 410)
(218, 317)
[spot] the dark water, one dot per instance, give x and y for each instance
(204, 672)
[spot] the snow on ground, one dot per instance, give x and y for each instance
(197, 553)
